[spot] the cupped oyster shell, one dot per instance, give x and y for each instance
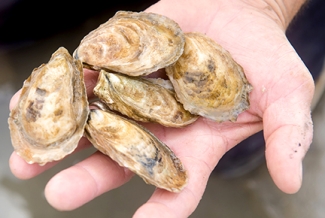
(50, 116)
(135, 148)
(132, 43)
(141, 100)
(208, 81)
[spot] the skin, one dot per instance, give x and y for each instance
(254, 33)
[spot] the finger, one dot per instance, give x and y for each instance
(14, 99)
(288, 131)
(90, 77)
(84, 181)
(22, 170)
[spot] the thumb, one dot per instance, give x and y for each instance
(288, 126)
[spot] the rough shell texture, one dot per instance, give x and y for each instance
(208, 81)
(133, 147)
(50, 116)
(162, 82)
(141, 100)
(132, 43)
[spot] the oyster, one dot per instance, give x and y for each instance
(141, 100)
(132, 43)
(50, 116)
(133, 147)
(208, 81)
(162, 82)
(52, 113)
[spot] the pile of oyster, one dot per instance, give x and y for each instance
(53, 111)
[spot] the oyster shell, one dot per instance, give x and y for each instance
(133, 147)
(162, 82)
(50, 116)
(132, 43)
(208, 81)
(141, 100)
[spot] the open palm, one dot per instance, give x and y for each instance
(280, 104)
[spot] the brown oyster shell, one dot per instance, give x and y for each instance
(50, 116)
(141, 100)
(135, 148)
(162, 82)
(132, 43)
(208, 81)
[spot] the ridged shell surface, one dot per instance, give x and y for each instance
(208, 81)
(133, 147)
(142, 100)
(132, 43)
(50, 116)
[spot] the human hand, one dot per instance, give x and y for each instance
(280, 103)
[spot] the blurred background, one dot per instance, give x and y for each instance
(26, 43)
